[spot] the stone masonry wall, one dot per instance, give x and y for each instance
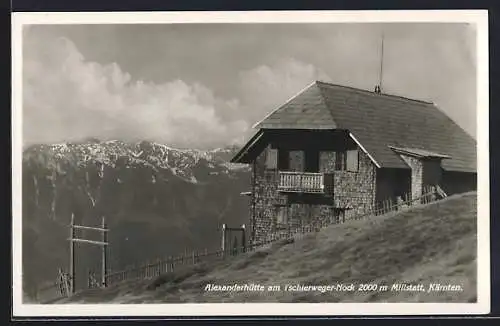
(265, 198)
(354, 190)
(416, 174)
(303, 214)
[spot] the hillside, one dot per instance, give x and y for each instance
(157, 201)
(435, 243)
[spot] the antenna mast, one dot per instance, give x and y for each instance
(378, 89)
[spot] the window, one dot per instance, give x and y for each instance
(272, 158)
(352, 160)
(340, 161)
(326, 161)
(296, 161)
(346, 161)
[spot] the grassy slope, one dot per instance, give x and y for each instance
(432, 243)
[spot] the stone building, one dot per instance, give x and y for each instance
(332, 152)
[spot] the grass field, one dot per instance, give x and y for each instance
(435, 243)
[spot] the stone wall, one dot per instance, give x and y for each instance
(416, 166)
(303, 214)
(265, 199)
(353, 191)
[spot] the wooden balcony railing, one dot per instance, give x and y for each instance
(301, 182)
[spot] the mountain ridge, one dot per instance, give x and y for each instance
(158, 200)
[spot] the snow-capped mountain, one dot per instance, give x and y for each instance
(157, 201)
(181, 162)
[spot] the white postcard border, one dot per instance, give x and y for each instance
(479, 18)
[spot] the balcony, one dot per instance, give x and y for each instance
(305, 182)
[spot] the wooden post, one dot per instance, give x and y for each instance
(243, 238)
(72, 255)
(67, 285)
(89, 283)
(104, 252)
(223, 244)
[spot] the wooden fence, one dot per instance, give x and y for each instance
(171, 264)
(168, 265)
(61, 288)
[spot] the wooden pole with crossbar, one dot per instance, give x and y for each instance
(72, 255)
(243, 238)
(104, 251)
(103, 243)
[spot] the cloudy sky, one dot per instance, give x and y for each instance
(205, 85)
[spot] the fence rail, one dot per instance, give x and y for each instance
(167, 265)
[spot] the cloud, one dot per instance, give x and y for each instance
(266, 87)
(66, 98)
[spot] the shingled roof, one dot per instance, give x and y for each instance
(378, 122)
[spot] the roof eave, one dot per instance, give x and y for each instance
(409, 153)
(365, 151)
(244, 150)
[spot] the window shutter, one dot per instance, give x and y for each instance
(272, 158)
(352, 160)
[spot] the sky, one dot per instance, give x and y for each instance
(205, 85)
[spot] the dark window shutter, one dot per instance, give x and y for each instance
(352, 160)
